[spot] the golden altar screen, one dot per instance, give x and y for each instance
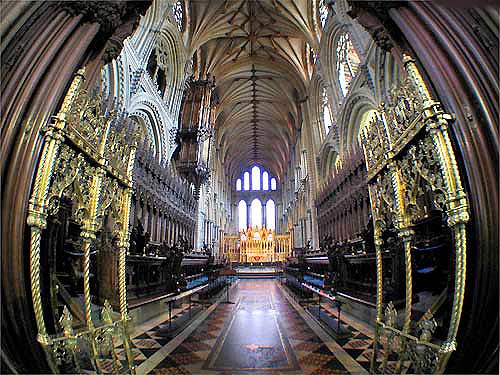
(257, 244)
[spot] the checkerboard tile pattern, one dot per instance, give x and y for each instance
(313, 355)
(143, 347)
(360, 346)
(193, 354)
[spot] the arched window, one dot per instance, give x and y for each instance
(255, 178)
(256, 213)
(327, 115)
(270, 215)
(312, 55)
(178, 13)
(242, 215)
(273, 183)
(246, 181)
(347, 62)
(152, 64)
(238, 184)
(322, 12)
(265, 181)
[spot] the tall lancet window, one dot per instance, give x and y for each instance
(178, 13)
(327, 115)
(255, 178)
(238, 184)
(265, 181)
(273, 183)
(242, 215)
(256, 213)
(246, 181)
(322, 12)
(270, 215)
(347, 62)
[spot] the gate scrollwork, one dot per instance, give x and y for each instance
(407, 143)
(88, 159)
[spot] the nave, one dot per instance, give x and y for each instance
(344, 150)
(263, 330)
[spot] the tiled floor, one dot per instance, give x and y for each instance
(264, 331)
(261, 333)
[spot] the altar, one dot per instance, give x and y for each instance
(257, 245)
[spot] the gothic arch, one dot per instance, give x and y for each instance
(146, 107)
(327, 158)
(358, 103)
(318, 134)
(172, 57)
(329, 56)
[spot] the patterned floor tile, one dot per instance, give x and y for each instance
(185, 358)
(316, 359)
(196, 353)
(146, 344)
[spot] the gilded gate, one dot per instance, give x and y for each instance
(86, 158)
(408, 154)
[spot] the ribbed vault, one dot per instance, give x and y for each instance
(260, 54)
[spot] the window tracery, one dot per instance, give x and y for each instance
(347, 62)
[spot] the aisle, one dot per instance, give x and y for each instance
(263, 332)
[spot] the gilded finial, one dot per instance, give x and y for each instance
(66, 322)
(107, 312)
(407, 58)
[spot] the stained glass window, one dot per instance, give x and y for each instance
(323, 12)
(256, 213)
(312, 55)
(265, 181)
(273, 183)
(178, 12)
(270, 214)
(246, 181)
(242, 215)
(347, 62)
(255, 178)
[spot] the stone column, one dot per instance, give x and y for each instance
(249, 223)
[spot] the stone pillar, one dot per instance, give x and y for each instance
(264, 219)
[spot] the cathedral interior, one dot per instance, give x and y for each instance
(249, 187)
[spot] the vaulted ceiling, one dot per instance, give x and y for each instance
(260, 54)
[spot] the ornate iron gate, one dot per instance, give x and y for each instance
(86, 157)
(408, 154)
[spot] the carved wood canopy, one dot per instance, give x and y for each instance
(260, 53)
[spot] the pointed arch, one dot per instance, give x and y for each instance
(242, 215)
(256, 213)
(270, 215)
